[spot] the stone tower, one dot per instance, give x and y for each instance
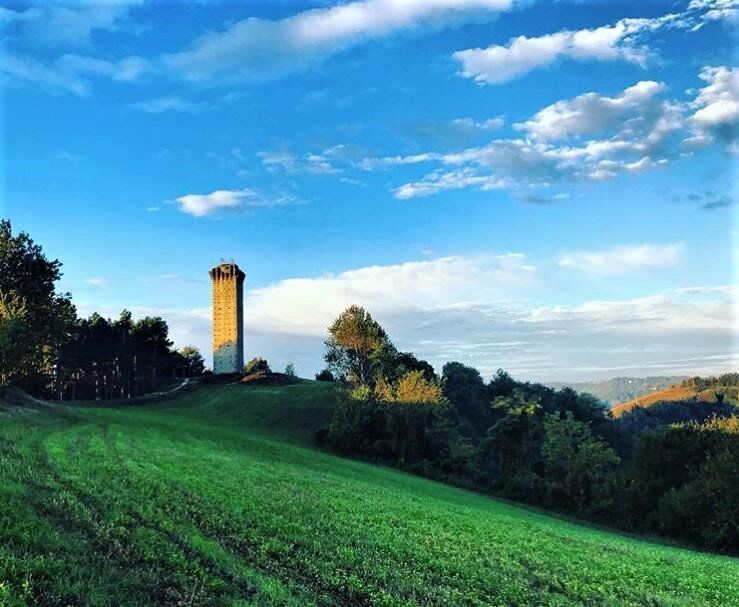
(228, 318)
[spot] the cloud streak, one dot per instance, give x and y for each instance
(625, 40)
(201, 205)
(258, 48)
(622, 259)
(171, 104)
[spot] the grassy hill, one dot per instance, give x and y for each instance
(679, 392)
(621, 389)
(217, 497)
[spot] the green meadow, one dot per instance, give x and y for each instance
(218, 497)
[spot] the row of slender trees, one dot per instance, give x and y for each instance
(51, 352)
(106, 359)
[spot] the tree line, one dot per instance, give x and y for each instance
(671, 469)
(47, 349)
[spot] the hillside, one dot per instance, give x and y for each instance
(703, 391)
(621, 389)
(217, 497)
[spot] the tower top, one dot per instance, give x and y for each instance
(226, 269)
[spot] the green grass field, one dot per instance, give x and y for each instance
(218, 498)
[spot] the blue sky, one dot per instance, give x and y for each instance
(540, 186)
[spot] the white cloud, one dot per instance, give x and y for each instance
(370, 164)
(638, 131)
(171, 104)
(498, 64)
(591, 113)
(470, 125)
(255, 48)
(622, 259)
(626, 40)
(718, 10)
(440, 181)
(97, 281)
(643, 315)
(200, 205)
(716, 105)
(308, 305)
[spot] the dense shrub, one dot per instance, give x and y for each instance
(683, 481)
(325, 375)
(413, 436)
(257, 365)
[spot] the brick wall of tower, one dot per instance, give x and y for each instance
(228, 322)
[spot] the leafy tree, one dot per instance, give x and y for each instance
(14, 342)
(404, 362)
(511, 447)
(194, 364)
(465, 390)
(577, 462)
(290, 370)
(502, 384)
(357, 348)
(28, 276)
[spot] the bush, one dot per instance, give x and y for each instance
(415, 436)
(683, 481)
(325, 375)
(257, 365)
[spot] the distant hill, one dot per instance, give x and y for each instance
(621, 389)
(712, 389)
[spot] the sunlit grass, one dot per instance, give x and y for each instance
(219, 498)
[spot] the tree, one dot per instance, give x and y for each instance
(28, 276)
(683, 480)
(290, 370)
(357, 347)
(194, 365)
(511, 444)
(404, 362)
(150, 336)
(13, 340)
(257, 365)
(502, 384)
(577, 462)
(118, 359)
(466, 392)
